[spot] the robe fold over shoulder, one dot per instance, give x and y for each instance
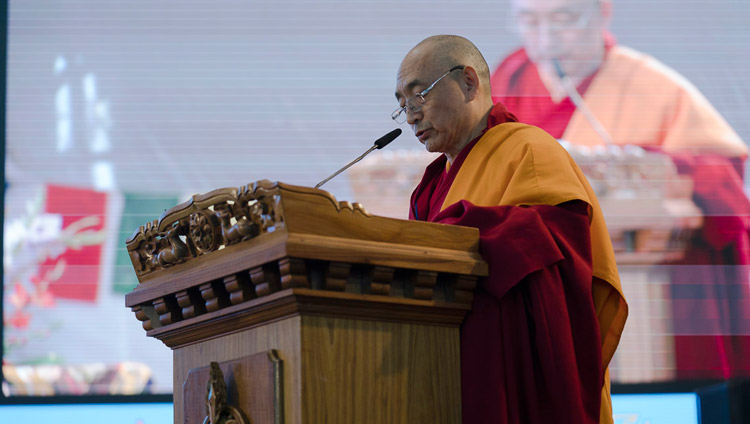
(552, 305)
(640, 101)
(528, 346)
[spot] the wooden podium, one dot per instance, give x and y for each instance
(311, 310)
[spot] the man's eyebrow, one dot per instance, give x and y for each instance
(564, 9)
(408, 88)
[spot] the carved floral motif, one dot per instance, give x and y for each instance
(204, 224)
(204, 231)
(218, 411)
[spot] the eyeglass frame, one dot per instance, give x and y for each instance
(415, 105)
(585, 15)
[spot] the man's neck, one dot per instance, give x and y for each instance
(476, 131)
(555, 86)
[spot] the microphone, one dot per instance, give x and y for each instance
(379, 144)
(575, 96)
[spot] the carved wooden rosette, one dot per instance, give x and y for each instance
(344, 298)
(204, 224)
(232, 249)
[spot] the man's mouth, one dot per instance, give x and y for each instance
(422, 135)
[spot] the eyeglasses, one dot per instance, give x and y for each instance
(414, 103)
(558, 20)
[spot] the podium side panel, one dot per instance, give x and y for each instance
(360, 371)
(282, 335)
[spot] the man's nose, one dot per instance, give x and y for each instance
(413, 117)
(545, 36)
(547, 39)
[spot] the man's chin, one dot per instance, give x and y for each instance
(430, 143)
(548, 64)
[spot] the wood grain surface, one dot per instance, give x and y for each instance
(251, 384)
(283, 336)
(363, 311)
(356, 371)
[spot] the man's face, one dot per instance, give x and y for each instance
(571, 31)
(440, 123)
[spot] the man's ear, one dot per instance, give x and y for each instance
(470, 82)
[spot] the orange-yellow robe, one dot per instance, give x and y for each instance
(514, 175)
(637, 99)
(640, 101)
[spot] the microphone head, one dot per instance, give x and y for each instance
(384, 140)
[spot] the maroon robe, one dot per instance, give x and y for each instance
(530, 347)
(711, 304)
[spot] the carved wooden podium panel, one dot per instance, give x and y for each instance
(253, 381)
(363, 312)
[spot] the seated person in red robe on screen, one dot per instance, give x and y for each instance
(636, 100)
(546, 321)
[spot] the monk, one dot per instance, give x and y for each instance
(546, 321)
(637, 100)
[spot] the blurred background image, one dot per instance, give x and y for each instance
(119, 110)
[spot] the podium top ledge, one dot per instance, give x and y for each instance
(250, 214)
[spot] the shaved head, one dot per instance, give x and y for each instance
(451, 80)
(441, 52)
(569, 32)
